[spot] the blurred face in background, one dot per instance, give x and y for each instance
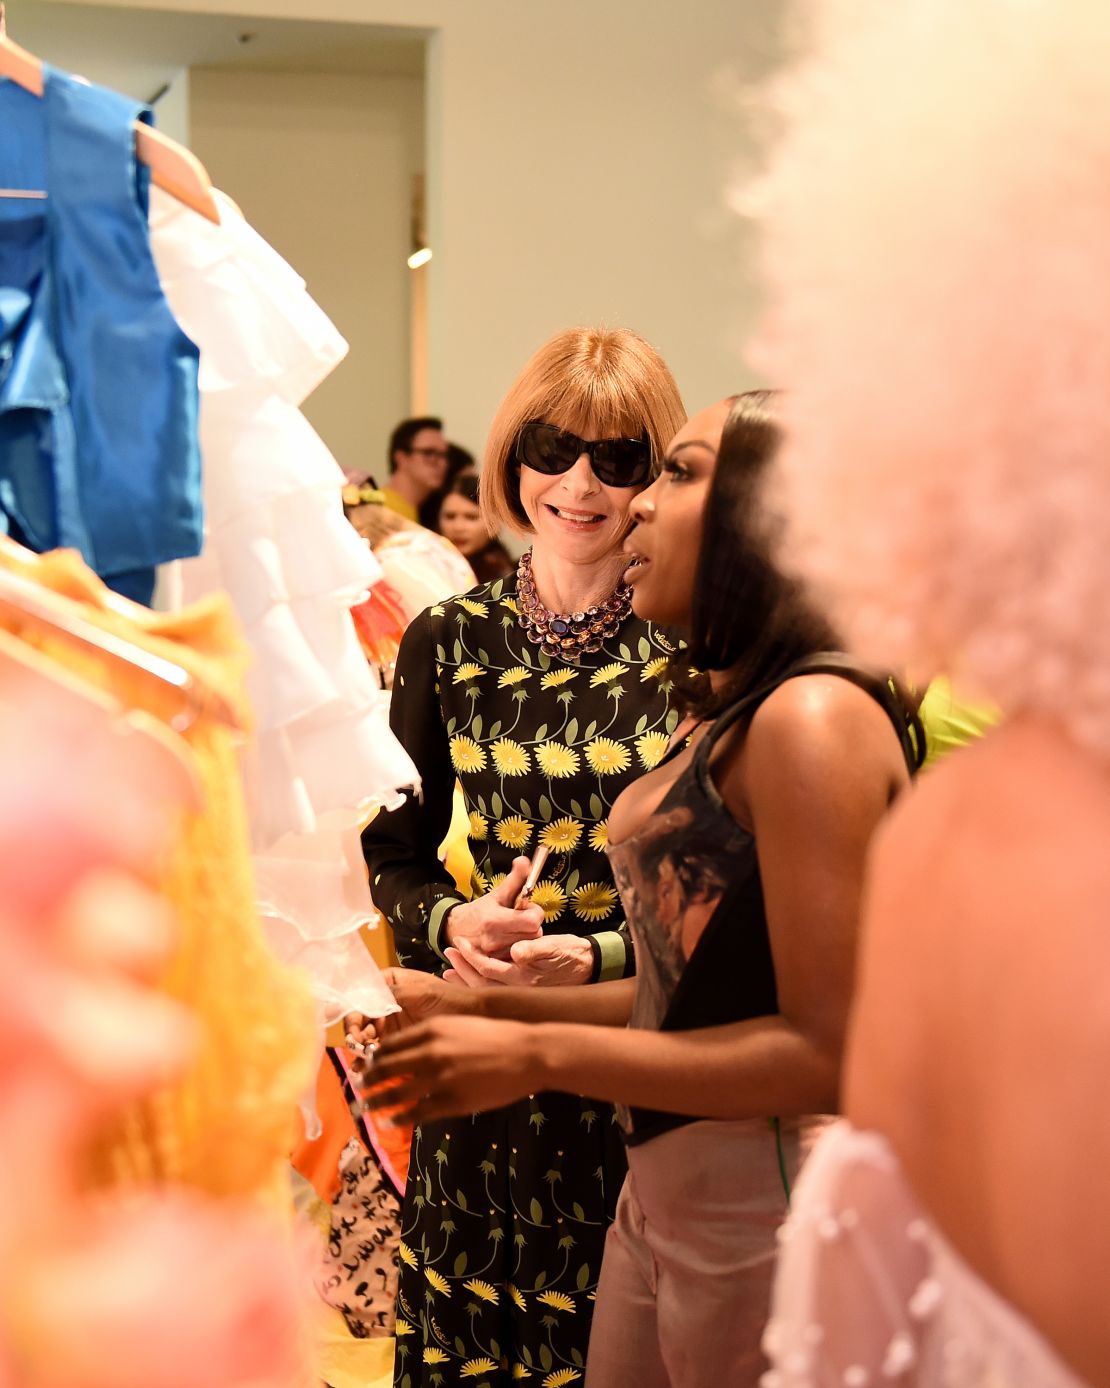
(460, 521)
(425, 462)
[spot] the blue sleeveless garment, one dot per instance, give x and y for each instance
(98, 384)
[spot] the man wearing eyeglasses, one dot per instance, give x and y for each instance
(417, 464)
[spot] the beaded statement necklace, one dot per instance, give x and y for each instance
(568, 636)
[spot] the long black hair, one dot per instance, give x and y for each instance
(749, 618)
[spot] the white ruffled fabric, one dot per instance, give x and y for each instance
(423, 568)
(277, 542)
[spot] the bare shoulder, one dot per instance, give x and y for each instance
(815, 711)
(986, 949)
(817, 738)
(820, 721)
(1013, 812)
(985, 915)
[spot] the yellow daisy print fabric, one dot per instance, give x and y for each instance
(506, 1213)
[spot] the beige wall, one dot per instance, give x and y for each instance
(322, 166)
(579, 153)
(580, 158)
(68, 35)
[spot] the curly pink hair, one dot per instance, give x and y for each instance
(937, 240)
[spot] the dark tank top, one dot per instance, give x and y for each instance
(690, 885)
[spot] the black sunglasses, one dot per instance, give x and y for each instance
(616, 462)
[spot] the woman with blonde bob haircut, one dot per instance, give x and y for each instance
(544, 695)
(605, 381)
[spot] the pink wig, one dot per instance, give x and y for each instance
(937, 232)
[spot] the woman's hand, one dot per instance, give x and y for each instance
(452, 1066)
(490, 924)
(550, 961)
(420, 996)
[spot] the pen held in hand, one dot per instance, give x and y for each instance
(524, 900)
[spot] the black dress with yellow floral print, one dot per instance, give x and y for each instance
(505, 1213)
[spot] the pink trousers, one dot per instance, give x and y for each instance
(686, 1280)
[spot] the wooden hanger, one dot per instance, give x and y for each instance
(175, 696)
(176, 170)
(172, 167)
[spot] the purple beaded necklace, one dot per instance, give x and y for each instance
(568, 636)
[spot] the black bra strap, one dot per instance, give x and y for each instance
(907, 725)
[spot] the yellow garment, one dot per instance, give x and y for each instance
(226, 1124)
(400, 504)
(455, 848)
(457, 858)
(949, 723)
(341, 1360)
(345, 1362)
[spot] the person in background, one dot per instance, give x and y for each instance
(460, 521)
(460, 463)
(418, 453)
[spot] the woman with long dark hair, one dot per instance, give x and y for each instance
(739, 860)
(459, 519)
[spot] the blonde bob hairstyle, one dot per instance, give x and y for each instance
(605, 381)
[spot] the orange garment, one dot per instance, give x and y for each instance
(318, 1161)
(380, 622)
(225, 1125)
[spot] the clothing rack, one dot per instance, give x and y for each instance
(173, 168)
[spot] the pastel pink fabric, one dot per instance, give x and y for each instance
(936, 232)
